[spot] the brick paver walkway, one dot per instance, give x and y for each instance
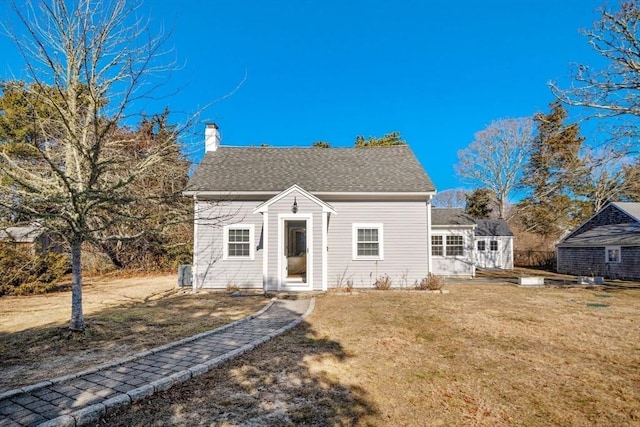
(83, 398)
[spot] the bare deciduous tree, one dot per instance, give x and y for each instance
(454, 198)
(494, 159)
(612, 90)
(610, 176)
(88, 62)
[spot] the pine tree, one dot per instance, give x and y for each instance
(479, 203)
(388, 139)
(553, 175)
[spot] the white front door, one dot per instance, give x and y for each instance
(295, 256)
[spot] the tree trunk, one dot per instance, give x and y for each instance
(502, 206)
(77, 319)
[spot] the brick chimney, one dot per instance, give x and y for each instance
(211, 137)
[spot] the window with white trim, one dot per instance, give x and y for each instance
(367, 241)
(612, 254)
(482, 245)
(437, 246)
(493, 245)
(455, 246)
(238, 241)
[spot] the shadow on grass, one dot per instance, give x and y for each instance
(113, 332)
(283, 382)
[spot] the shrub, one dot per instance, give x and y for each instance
(383, 283)
(349, 286)
(431, 283)
(25, 272)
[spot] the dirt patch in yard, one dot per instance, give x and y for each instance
(124, 316)
(490, 355)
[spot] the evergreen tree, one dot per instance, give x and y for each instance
(388, 139)
(554, 174)
(321, 144)
(479, 203)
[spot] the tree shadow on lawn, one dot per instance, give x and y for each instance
(280, 383)
(114, 332)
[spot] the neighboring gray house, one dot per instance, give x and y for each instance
(452, 242)
(494, 244)
(608, 244)
(309, 218)
(460, 244)
(32, 237)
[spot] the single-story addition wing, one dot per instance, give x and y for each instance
(460, 243)
(494, 244)
(277, 218)
(452, 242)
(607, 245)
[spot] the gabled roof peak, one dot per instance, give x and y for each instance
(264, 207)
(630, 208)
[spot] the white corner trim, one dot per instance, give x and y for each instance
(265, 250)
(194, 268)
(325, 250)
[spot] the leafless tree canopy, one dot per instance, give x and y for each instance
(612, 90)
(495, 157)
(88, 62)
(454, 198)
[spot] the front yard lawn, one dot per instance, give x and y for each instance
(480, 355)
(124, 315)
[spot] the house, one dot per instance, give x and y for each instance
(32, 237)
(452, 242)
(608, 244)
(493, 244)
(309, 218)
(460, 244)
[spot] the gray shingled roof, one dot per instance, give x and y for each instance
(493, 227)
(24, 234)
(371, 169)
(606, 235)
(450, 216)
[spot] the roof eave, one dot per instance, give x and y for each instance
(325, 194)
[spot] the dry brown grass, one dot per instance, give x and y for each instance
(124, 315)
(485, 355)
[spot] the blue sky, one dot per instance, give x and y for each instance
(437, 71)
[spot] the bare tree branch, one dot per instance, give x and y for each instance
(495, 158)
(614, 89)
(89, 63)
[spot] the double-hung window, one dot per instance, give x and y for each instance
(612, 254)
(437, 246)
(368, 241)
(482, 245)
(238, 241)
(447, 245)
(455, 246)
(493, 245)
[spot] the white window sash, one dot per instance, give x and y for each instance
(613, 249)
(252, 249)
(380, 242)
